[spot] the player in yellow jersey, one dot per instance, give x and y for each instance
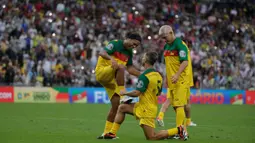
(112, 62)
(148, 87)
(176, 61)
(187, 107)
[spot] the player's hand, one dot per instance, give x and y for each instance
(175, 78)
(114, 64)
(122, 93)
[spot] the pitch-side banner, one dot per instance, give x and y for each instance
(217, 96)
(34, 95)
(99, 95)
(6, 94)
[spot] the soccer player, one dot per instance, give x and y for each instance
(110, 69)
(187, 107)
(176, 60)
(148, 87)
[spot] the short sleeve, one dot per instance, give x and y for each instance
(142, 83)
(110, 48)
(182, 51)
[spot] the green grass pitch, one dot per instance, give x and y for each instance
(82, 123)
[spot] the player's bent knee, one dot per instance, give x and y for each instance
(122, 108)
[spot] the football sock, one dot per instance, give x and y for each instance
(180, 116)
(161, 115)
(115, 128)
(172, 131)
(188, 121)
(108, 126)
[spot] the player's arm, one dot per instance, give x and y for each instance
(134, 93)
(131, 68)
(133, 71)
(183, 57)
(183, 65)
(107, 52)
(141, 87)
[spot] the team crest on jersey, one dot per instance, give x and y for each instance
(109, 47)
(182, 54)
(139, 84)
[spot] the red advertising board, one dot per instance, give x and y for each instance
(6, 94)
(250, 97)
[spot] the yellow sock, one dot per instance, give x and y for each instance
(172, 131)
(108, 127)
(188, 121)
(180, 116)
(115, 128)
(161, 115)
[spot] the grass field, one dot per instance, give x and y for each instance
(82, 123)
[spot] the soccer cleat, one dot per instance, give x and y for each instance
(110, 136)
(192, 124)
(183, 133)
(176, 137)
(126, 100)
(101, 137)
(173, 137)
(160, 122)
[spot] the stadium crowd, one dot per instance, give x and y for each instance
(56, 43)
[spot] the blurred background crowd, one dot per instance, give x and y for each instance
(56, 42)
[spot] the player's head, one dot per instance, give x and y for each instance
(166, 32)
(149, 58)
(133, 40)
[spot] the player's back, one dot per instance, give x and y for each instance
(149, 97)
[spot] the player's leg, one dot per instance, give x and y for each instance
(150, 133)
(160, 118)
(120, 77)
(179, 100)
(120, 117)
(105, 76)
(187, 108)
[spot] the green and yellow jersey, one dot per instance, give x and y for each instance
(118, 52)
(174, 54)
(150, 84)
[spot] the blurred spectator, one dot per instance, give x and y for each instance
(47, 43)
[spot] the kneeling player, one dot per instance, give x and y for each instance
(148, 87)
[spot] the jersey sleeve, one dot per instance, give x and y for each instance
(182, 51)
(142, 83)
(110, 48)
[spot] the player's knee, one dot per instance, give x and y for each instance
(151, 137)
(187, 107)
(122, 108)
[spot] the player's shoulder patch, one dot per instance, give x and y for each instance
(140, 84)
(109, 46)
(182, 53)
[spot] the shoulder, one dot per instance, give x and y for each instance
(178, 40)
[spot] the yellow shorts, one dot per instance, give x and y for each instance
(178, 96)
(106, 77)
(143, 120)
